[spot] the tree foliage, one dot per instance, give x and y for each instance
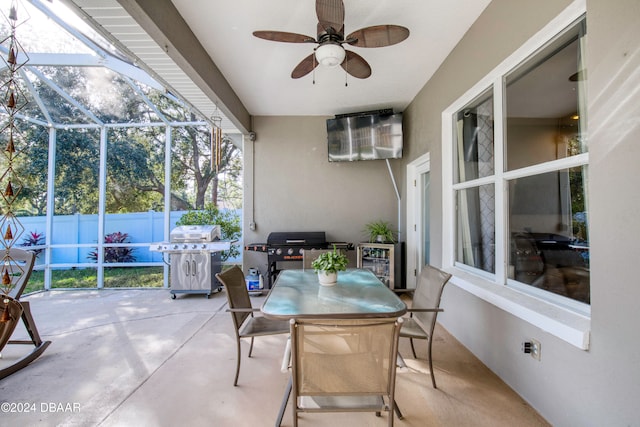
(135, 156)
(228, 221)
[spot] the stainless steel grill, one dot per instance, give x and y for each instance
(194, 254)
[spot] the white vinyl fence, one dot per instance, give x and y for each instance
(73, 237)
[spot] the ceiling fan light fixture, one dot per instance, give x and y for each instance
(330, 54)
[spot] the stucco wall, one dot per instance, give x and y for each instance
(569, 386)
(298, 189)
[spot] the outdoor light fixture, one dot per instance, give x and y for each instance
(330, 54)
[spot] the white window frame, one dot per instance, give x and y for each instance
(564, 322)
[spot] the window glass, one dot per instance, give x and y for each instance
(474, 140)
(548, 231)
(542, 105)
(476, 227)
(426, 232)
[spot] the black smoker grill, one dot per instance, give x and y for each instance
(289, 246)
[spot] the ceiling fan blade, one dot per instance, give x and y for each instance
(330, 15)
(378, 36)
(355, 65)
(304, 67)
(281, 36)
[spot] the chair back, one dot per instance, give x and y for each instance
(20, 270)
(237, 294)
(340, 357)
(428, 294)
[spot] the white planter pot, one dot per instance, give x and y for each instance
(327, 279)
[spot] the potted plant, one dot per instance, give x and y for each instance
(327, 266)
(379, 232)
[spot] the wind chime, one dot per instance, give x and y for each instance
(11, 270)
(216, 140)
(13, 100)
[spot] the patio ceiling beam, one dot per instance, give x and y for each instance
(162, 21)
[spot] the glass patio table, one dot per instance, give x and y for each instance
(357, 294)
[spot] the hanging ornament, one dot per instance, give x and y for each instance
(12, 100)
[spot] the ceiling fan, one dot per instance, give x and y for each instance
(330, 39)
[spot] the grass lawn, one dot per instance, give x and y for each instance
(117, 277)
(114, 277)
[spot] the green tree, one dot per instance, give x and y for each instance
(228, 221)
(135, 156)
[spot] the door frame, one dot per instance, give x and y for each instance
(414, 218)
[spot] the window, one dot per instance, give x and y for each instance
(520, 173)
(475, 205)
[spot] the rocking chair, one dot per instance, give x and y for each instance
(19, 269)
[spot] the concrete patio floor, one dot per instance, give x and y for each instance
(139, 358)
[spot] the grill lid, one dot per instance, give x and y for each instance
(195, 233)
(297, 238)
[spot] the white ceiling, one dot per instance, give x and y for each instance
(259, 70)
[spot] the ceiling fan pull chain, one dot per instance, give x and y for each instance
(346, 73)
(314, 66)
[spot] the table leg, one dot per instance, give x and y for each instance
(397, 410)
(285, 399)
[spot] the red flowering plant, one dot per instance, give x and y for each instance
(34, 238)
(115, 253)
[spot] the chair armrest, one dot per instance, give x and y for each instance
(242, 310)
(424, 310)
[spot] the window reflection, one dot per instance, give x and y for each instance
(548, 233)
(476, 227)
(474, 140)
(543, 105)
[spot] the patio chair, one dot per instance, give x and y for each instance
(424, 310)
(246, 325)
(20, 270)
(340, 365)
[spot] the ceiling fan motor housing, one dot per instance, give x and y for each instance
(330, 54)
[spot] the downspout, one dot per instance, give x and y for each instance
(395, 187)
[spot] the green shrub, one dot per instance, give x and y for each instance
(228, 221)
